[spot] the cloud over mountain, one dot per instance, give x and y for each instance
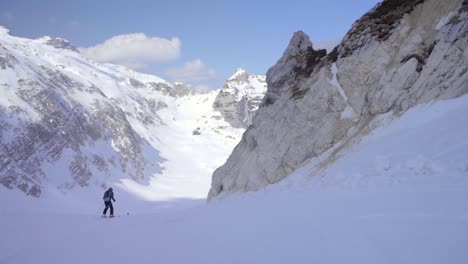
(134, 50)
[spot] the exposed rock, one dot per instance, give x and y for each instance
(162, 87)
(282, 74)
(60, 43)
(6, 59)
(393, 58)
(181, 89)
(177, 89)
(379, 23)
(240, 97)
(196, 132)
(135, 83)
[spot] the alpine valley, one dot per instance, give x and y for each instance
(357, 153)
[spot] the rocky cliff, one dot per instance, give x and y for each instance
(240, 97)
(399, 54)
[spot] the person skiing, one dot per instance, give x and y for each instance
(108, 198)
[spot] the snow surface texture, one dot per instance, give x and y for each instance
(395, 57)
(66, 121)
(240, 97)
(400, 195)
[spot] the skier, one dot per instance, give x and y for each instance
(108, 198)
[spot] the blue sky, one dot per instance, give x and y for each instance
(199, 42)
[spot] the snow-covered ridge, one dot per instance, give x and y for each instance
(67, 121)
(240, 97)
(396, 56)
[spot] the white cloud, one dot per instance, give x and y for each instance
(134, 50)
(192, 71)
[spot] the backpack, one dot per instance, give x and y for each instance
(106, 197)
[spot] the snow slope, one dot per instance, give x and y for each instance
(68, 122)
(189, 159)
(400, 195)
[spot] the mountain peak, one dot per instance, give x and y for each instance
(238, 73)
(239, 70)
(298, 44)
(283, 71)
(239, 98)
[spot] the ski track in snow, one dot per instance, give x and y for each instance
(398, 196)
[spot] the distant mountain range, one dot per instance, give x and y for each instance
(67, 121)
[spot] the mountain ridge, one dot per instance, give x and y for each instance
(317, 101)
(67, 122)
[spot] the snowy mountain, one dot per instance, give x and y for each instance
(240, 97)
(397, 56)
(67, 121)
(367, 147)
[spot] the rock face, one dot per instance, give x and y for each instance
(69, 121)
(400, 54)
(60, 43)
(240, 97)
